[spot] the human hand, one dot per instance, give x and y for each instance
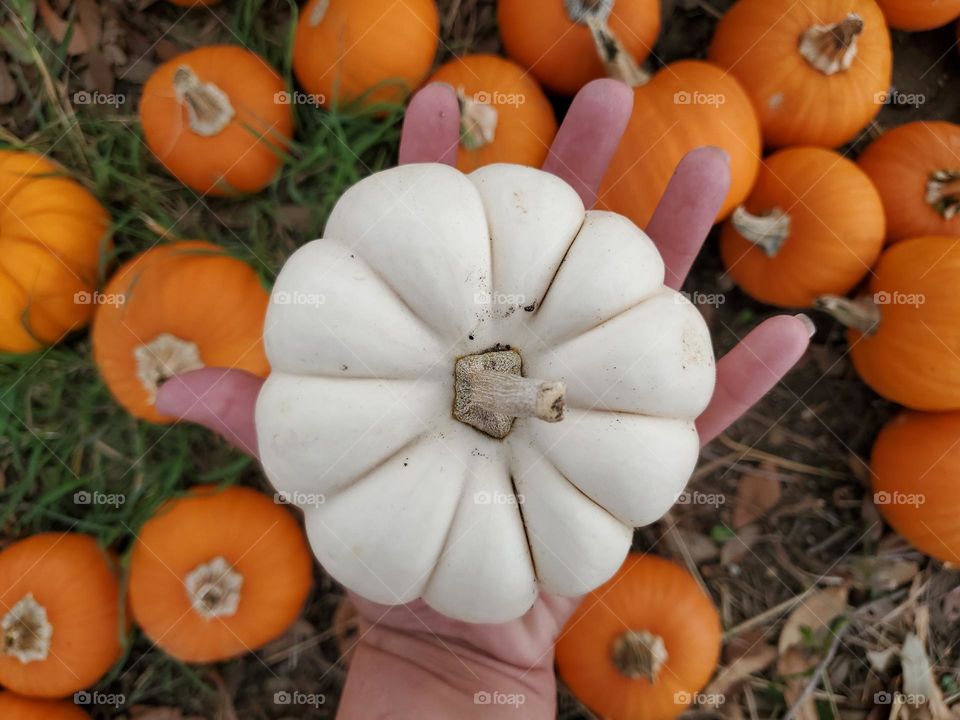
(410, 659)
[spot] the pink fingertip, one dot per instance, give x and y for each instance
(431, 127)
(219, 399)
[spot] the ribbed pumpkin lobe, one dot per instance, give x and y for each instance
(639, 654)
(832, 48)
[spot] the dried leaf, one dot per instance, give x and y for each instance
(737, 547)
(793, 667)
(756, 494)
(57, 27)
(883, 573)
(919, 685)
(881, 660)
(736, 672)
(8, 86)
(701, 548)
(813, 617)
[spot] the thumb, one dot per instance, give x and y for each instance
(220, 399)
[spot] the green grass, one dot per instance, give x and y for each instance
(61, 432)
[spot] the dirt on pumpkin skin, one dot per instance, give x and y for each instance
(755, 552)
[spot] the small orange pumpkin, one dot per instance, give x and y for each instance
(345, 49)
(60, 607)
(915, 463)
(905, 334)
(685, 106)
(175, 308)
(566, 43)
(14, 707)
(504, 115)
(919, 14)
(813, 225)
(816, 70)
(642, 644)
(218, 574)
(916, 168)
(53, 233)
(218, 118)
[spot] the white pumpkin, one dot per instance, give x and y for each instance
(421, 266)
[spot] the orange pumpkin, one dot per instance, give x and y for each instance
(905, 335)
(916, 168)
(176, 308)
(915, 463)
(218, 574)
(919, 14)
(685, 106)
(218, 118)
(641, 645)
(817, 71)
(567, 43)
(53, 233)
(61, 627)
(813, 225)
(504, 116)
(378, 49)
(14, 707)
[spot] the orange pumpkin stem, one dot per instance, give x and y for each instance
(162, 358)
(861, 315)
(208, 107)
(214, 588)
(490, 393)
(768, 231)
(832, 48)
(638, 653)
(943, 192)
(26, 631)
(618, 63)
(478, 121)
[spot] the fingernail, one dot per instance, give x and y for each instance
(805, 319)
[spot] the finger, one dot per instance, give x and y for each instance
(688, 209)
(752, 368)
(589, 136)
(431, 127)
(220, 399)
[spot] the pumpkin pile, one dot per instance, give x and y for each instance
(874, 242)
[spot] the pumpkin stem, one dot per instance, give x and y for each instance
(478, 120)
(618, 63)
(319, 13)
(208, 107)
(26, 631)
(943, 192)
(491, 392)
(638, 653)
(861, 315)
(768, 231)
(162, 358)
(832, 48)
(214, 588)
